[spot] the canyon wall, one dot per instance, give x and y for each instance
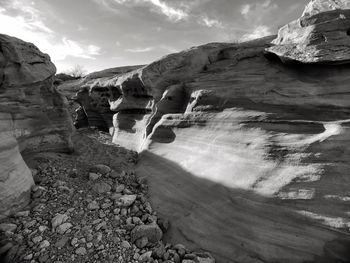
(33, 117)
(228, 130)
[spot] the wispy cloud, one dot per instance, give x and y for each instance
(159, 6)
(245, 9)
(28, 25)
(257, 10)
(139, 50)
(258, 32)
(204, 20)
(168, 49)
(174, 14)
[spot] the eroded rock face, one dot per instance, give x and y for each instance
(241, 149)
(321, 35)
(33, 117)
(320, 6)
(93, 98)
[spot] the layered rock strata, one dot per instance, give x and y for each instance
(248, 153)
(33, 115)
(321, 35)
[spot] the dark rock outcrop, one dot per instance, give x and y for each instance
(94, 109)
(34, 117)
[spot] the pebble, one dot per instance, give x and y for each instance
(37, 239)
(22, 213)
(114, 174)
(141, 242)
(42, 228)
(101, 188)
(28, 257)
(44, 244)
(93, 205)
(125, 244)
(152, 232)
(8, 227)
(101, 168)
(58, 220)
(61, 229)
(97, 221)
(74, 241)
(123, 212)
(119, 188)
(98, 237)
(136, 256)
(62, 242)
(127, 200)
(106, 205)
(145, 256)
(44, 258)
(159, 250)
(94, 176)
(80, 251)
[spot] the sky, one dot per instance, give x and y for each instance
(100, 34)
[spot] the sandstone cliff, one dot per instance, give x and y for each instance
(33, 117)
(246, 150)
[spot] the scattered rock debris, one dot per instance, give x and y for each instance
(83, 211)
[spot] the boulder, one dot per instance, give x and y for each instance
(33, 117)
(321, 35)
(151, 231)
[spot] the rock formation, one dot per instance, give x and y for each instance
(319, 6)
(33, 117)
(247, 153)
(321, 35)
(94, 109)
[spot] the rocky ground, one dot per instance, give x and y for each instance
(89, 206)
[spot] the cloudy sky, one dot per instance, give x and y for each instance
(99, 34)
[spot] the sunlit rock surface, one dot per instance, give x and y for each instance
(319, 6)
(321, 35)
(247, 155)
(33, 117)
